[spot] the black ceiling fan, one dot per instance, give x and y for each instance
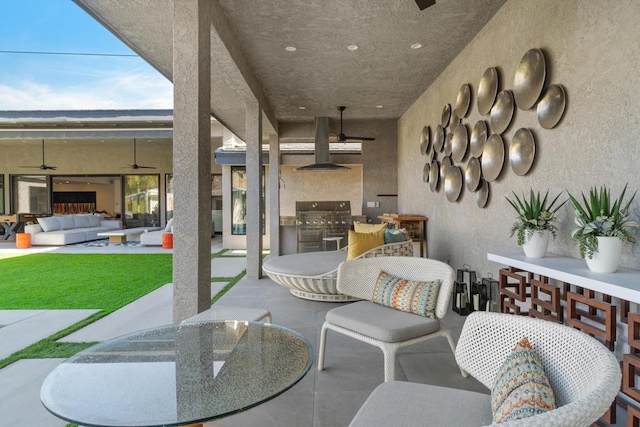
(135, 164)
(423, 4)
(43, 166)
(344, 138)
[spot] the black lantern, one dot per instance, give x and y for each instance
(462, 300)
(481, 293)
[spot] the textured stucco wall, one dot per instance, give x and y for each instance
(592, 49)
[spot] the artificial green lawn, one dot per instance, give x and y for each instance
(80, 281)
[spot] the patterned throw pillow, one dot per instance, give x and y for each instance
(361, 227)
(394, 235)
(406, 295)
(522, 388)
(360, 243)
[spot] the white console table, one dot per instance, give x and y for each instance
(623, 284)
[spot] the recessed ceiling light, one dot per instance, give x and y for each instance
(352, 47)
(379, 106)
(302, 108)
(290, 48)
(416, 46)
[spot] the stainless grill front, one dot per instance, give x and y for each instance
(317, 220)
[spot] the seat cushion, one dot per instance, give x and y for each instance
(360, 243)
(417, 405)
(381, 323)
(522, 388)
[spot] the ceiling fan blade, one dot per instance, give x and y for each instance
(29, 167)
(423, 4)
(360, 138)
(145, 167)
(49, 167)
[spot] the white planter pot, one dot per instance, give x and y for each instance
(536, 245)
(607, 259)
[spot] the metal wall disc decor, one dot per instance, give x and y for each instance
(502, 111)
(551, 106)
(522, 151)
(454, 121)
(430, 155)
(492, 157)
(425, 172)
(453, 183)
(482, 194)
(529, 79)
(448, 144)
(478, 138)
(487, 90)
(425, 140)
(459, 142)
(463, 100)
(434, 175)
(444, 165)
(438, 139)
(473, 174)
(446, 114)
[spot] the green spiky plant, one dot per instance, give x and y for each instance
(598, 216)
(534, 215)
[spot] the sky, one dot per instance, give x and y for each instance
(62, 82)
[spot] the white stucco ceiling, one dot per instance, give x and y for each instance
(249, 57)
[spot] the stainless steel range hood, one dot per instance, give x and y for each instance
(321, 149)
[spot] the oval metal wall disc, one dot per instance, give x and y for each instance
(446, 114)
(473, 174)
(438, 139)
(482, 194)
(551, 106)
(502, 112)
(522, 151)
(529, 79)
(492, 157)
(453, 183)
(478, 138)
(463, 100)
(487, 90)
(459, 142)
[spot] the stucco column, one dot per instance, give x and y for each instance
(274, 194)
(191, 158)
(254, 190)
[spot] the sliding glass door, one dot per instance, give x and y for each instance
(30, 194)
(141, 202)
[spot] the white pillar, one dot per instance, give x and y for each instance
(255, 209)
(191, 158)
(274, 194)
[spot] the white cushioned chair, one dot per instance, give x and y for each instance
(585, 377)
(385, 327)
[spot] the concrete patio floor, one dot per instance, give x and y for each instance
(328, 398)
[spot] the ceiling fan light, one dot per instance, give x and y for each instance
(352, 47)
(290, 48)
(416, 46)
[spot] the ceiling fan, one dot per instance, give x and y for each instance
(135, 164)
(344, 138)
(43, 166)
(423, 4)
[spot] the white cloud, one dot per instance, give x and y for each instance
(137, 90)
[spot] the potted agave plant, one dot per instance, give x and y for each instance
(535, 222)
(603, 226)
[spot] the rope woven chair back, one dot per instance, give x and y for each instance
(584, 375)
(357, 278)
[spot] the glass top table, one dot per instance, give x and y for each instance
(177, 374)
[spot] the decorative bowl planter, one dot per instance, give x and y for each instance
(607, 258)
(536, 245)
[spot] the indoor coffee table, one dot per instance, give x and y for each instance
(177, 374)
(126, 235)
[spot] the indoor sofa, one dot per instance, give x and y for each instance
(69, 229)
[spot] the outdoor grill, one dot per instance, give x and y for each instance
(317, 220)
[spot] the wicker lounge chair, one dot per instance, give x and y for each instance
(584, 375)
(312, 275)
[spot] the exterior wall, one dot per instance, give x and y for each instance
(592, 50)
(90, 157)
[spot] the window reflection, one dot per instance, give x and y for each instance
(141, 203)
(30, 194)
(239, 201)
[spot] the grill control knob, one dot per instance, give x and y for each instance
(343, 222)
(308, 222)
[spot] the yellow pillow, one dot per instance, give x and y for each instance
(360, 243)
(361, 227)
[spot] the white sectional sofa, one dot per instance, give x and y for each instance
(69, 229)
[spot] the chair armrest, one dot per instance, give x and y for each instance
(32, 229)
